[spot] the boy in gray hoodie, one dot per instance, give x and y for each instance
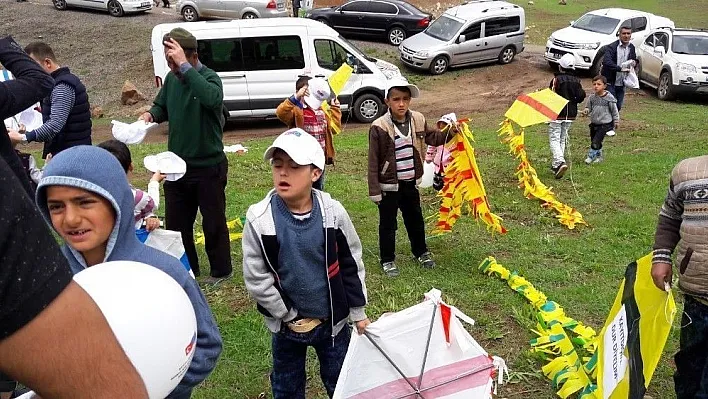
(302, 262)
(604, 116)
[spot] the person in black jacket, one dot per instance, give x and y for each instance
(567, 86)
(66, 113)
(615, 63)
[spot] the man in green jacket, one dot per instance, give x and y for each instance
(191, 100)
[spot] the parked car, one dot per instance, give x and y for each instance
(587, 36)
(471, 33)
(393, 19)
(193, 10)
(259, 61)
(116, 8)
(674, 61)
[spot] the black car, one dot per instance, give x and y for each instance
(393, 19)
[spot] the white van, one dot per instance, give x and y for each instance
(259, 61)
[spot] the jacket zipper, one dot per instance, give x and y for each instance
(329, 285)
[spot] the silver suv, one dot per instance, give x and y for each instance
(472, 33)
(193, 10)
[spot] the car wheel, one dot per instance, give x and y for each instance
(507, 55)
(115, 9)
(367, 108)
(189, 14)
(59, 4)
(596, 67)
(666, 87)
(396, 35)
(249, 15)
(439, 65)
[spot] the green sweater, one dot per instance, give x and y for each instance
(193, 108)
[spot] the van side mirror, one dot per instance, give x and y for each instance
(659, 51)
(571, 23)
(462, 39)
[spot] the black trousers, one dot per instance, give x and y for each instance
(202, 189)
(6, 384)
(407, 199)
(597, 134)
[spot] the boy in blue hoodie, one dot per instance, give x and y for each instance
(302, 263)
(85, 196)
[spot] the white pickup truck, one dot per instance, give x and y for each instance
(587, 36)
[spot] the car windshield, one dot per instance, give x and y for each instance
(693, 45)
(443, 28)
(356, 50)
(596, 23)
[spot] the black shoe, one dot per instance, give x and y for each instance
(559, 170)
(426, 260)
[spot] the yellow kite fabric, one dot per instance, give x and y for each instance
(539, 107)
(232, 224)
(529, 181)
(631, 343)
(337, 81)
(463, 186)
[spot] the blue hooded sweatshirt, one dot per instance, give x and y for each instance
(96, 170)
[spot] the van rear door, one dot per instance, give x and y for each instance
(495, 34)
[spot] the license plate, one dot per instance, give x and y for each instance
(145, 4)
(556, 55)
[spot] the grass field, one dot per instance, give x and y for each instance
(580, 269)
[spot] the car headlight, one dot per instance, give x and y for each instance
(550, 39)
(590, 46)
(686, 68)
(423, 54)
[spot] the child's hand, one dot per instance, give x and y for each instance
(48, 158)
(302, 93)
(15, 136)
(616, 124)
(152, 223)
(361, 325)
(335, 102)
(158, 176)
(585, 112)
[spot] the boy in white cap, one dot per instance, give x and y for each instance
(304, 110)
(397, 143)
(567, 86)
(302, 263)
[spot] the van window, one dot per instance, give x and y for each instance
(221, 55)
(473, 31)
(272, 53)
(501, 26)
(330, 54)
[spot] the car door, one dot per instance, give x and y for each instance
(229, 8)
(209, 8)
(226, 57)
(348, 18)
(495, 31)
(471, 49)
(380, 17)
(653, 60)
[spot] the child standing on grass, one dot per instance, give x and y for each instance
(604, 116)
(683, 226)
(397, 143)
(304, 110)
(302, 263)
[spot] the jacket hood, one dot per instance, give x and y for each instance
(98, 171)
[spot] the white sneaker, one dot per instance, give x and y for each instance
(610, 133)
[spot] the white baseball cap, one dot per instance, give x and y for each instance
(300, 146)
(415, 92)
(567, 61)
(448, 119)
(319, 92)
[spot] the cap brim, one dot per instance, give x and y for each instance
(415, 92)
(312, 102)
(298, 158)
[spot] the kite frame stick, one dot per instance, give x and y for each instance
(427, 346)
(367, 335)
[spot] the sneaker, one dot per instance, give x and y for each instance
(214, 281)
(592, 154)
(390, 269)
(610, 133)
(559, 170)
(426, 260)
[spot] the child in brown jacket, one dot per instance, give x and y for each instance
(304, 110)
(397, 145)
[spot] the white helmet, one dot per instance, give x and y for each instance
(567, 61)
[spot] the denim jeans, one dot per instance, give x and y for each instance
(691, 378)
(618, 92)
(290, 350)
(557, 139)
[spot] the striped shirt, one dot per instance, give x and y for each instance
(63, 98)
(405, 169)
(145, 203)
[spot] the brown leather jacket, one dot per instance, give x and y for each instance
(290, 113)
(382, 174)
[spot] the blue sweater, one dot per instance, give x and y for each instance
(95, 169)
(301, 256)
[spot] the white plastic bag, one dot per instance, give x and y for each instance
(428, 174)
(631, 80)
(131, 133)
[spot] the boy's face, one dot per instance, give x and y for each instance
(598, 86)
(83, 219)
(398, 102)
(292, 181)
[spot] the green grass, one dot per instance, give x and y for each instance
(580, 269)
